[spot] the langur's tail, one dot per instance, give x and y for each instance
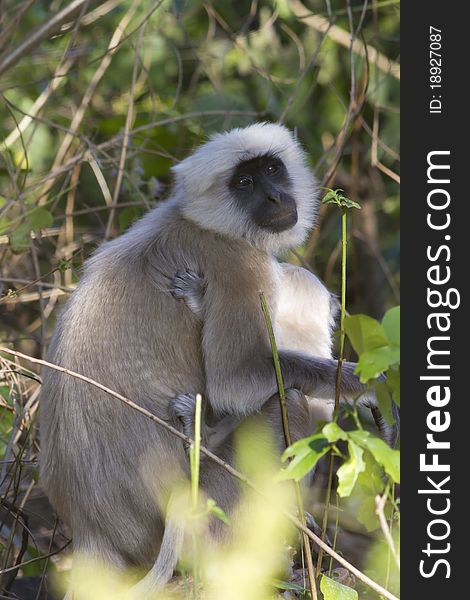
(170, 550)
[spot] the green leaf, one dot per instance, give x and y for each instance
(333, 590)
(386, 456)
(374, 362)
(306, 456)
(297, 447)
(349, 471)
(365, 333)
(20, 239)
(338, 197)
(384, 400)
(371, 480)
(39, 218)
(313, 442)
(383, 454)
(362, 500)
(284, 585)
(333, 432)
(350, 203)
(378, 346)
(393, 382)
(366, 514)
(391, 325)
(331, 195)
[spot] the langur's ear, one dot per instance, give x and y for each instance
(192, 177)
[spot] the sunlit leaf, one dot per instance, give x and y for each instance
(284, 585)
(383, 454)
(305, 458)
(366, 514)
(314, 442)
(384, 400)
(349, 471)
(333, 590)
(333, 432)
(391, 325)
(365, 333)
(369, 483)
(393, 382)
(374, 362)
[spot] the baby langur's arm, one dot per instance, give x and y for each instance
(183, 409)
(188, 287)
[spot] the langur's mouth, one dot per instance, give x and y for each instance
(280, 223)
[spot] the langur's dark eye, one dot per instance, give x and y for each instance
(272, 169)
(243, 181)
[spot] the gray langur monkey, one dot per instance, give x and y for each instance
(108, 470)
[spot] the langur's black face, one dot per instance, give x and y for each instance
(261, 186)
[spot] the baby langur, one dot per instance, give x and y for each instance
(305, 319)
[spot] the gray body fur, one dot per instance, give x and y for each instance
(108, 470)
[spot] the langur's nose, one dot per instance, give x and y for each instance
(275, 197)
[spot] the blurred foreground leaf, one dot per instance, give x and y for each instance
(332, 590)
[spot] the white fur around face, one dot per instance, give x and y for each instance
(201, 185)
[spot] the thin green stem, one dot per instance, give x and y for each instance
(288, 441)
(344, 248)
(195, 461)
(195, 454)
(335, 537)
(331, 458)
(277, 368)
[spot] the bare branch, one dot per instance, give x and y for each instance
(48, 28)
(343, 38)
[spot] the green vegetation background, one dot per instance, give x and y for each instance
(95, 111)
